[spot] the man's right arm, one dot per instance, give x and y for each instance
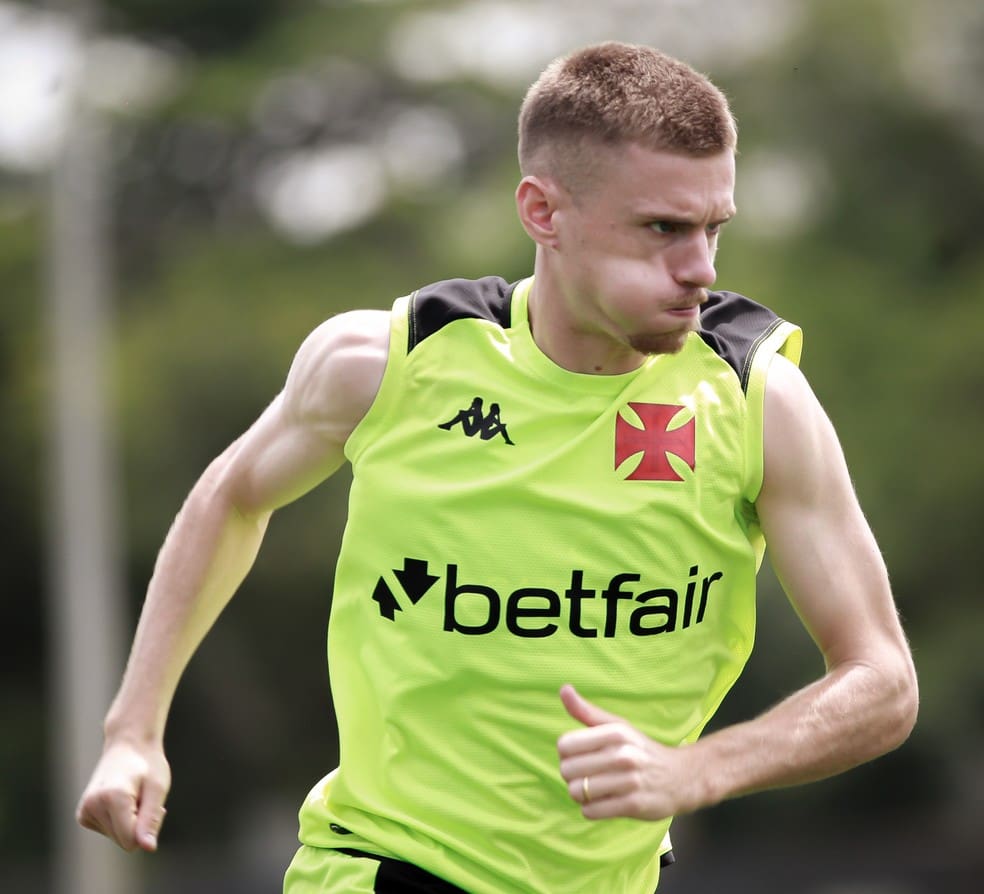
(296, 443)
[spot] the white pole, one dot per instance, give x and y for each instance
(86, 593)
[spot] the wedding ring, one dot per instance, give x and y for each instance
(585, 790)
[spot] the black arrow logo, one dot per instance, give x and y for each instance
(388, 605)
(414, 578)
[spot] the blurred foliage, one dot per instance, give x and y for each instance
(885, 273)
(209, 26)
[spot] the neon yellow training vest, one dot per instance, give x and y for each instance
(513, 527)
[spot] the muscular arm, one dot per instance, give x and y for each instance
(296, 443)
(826, 558)
(832, 571)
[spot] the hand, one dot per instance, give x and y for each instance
(125, 797)
(628, 773)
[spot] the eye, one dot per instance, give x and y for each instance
(665, 227)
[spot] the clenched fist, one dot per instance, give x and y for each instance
(612, 769)
(125, 797)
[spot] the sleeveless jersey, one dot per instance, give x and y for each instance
(513, 527)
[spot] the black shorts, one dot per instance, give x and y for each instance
(316, 870)
(395, 876)
(350, 871)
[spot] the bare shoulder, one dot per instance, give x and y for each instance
(337, 372)
(801, 447)
(787, 391)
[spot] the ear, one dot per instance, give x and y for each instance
(536, 203)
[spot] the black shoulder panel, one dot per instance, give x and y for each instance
(733, 326)
(434, 306)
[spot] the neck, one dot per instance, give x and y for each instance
(573, 344)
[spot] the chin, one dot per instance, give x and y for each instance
(662, 343)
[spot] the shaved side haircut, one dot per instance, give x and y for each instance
(614, 93)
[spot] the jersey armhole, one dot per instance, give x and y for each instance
(782, 338)
(390, 385)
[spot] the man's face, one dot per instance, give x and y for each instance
(636, 246)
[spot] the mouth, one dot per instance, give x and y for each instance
(689, 308)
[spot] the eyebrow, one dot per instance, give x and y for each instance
(682, 220)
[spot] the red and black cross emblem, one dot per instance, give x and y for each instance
(655, 440)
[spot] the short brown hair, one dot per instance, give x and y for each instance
(615, 93)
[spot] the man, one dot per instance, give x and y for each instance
(561, 490)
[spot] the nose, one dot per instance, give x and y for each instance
(694, 264)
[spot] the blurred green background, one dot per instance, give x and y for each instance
(273, 162)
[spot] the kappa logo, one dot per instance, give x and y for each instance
(623, 605)
(655, 441)
(473, 421)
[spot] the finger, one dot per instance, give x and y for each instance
(150, 815)
(600, 787)
(98, 812)
(609, 808)
(83, 814)
(587, 763)
(88, 816)
(622, 804)
(584, 711)
(589, 741)
(121, 819)
(601, 729)
(584, 789)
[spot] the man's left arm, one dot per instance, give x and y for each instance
(827, 560)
